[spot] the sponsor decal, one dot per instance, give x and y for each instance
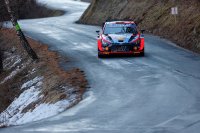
(121, 38)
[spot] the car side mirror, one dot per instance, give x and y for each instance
(98, 32)
(142, 31)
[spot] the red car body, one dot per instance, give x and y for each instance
(120, 38)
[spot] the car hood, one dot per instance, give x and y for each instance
(120, 38)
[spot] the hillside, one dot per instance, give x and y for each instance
(27, 9)
(33, 90)
(154, 16)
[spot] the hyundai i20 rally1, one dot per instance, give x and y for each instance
(119, 38)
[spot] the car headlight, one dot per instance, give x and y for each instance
(105, 43)
(137, 42)
(134, 39)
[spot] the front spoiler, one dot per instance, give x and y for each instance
(120, 53)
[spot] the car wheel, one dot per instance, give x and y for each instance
(100, 56)
(142, 53)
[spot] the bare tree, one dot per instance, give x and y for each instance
(1, 55)
(1, 61)
(23, 39)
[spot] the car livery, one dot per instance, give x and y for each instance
(120, 37)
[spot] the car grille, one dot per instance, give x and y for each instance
(121, 48)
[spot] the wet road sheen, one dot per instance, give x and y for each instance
(158, 93)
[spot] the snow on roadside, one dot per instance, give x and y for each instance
(32, 82)
(31, 94)
(13, 73)
(42, 111)
(11, 61)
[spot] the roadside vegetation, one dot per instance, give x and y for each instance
(154, 16)
(33, 90)
(41, 87)
(24, 10)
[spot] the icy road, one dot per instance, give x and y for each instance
(158, 93)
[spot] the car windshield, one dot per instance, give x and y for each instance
(120, 29)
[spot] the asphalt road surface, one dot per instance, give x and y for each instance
(158, 93)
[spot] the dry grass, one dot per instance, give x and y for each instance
(48, 67)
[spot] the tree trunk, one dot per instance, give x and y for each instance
(23, 39)
(1, 61)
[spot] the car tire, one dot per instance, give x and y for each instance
(142, 53)
(100, 56)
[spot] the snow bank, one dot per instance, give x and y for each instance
(32, 94)
(11, 62)
(30, 105)
(32, 82)
(42, 111)
(12, 74)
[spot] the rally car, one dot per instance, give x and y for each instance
(120, 37)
